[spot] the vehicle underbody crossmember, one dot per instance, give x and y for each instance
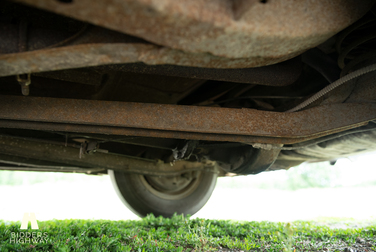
(166, 96)
(182, 122)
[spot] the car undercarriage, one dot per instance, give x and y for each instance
(165, 96)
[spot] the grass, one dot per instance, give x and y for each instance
(181, 233)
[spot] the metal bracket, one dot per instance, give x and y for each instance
(24, 80)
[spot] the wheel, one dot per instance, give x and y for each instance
(162, 195)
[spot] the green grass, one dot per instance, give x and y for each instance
(184, 234)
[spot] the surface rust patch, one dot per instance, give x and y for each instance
(176, 121)
(264, 31)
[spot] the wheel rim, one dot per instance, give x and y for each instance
(172, 187)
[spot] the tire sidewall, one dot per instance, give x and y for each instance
(141, 201)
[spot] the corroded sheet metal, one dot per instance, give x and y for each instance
(108, 54)
(281, 74)
(69, 155)
(118, 46)
(87, 55)
(187, 119)
(124, 131)
(264, 32)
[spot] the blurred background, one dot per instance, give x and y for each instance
(316, 191)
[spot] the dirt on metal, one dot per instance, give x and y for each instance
(264, 32)
(96, 46)
(179, 119)
(69, 155)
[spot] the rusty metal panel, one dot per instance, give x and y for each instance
(187, 119)
(265, 32)
(124, 131)
(281, 74)
(27, 148)
(43, 40)
(87, 55)
(45, 57)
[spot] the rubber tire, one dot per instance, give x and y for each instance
(141, 201)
